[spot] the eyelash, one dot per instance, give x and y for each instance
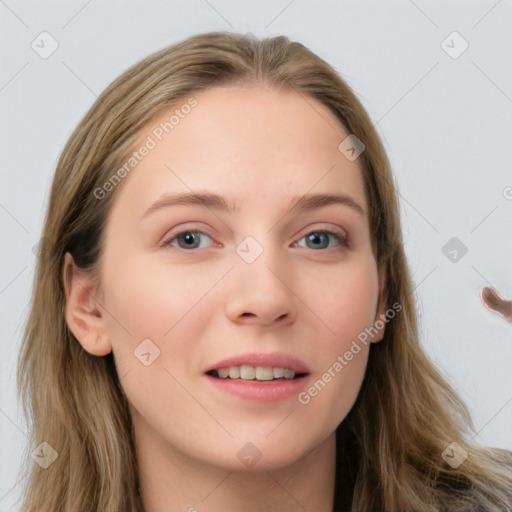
(343, 240)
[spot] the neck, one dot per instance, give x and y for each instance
(172, 482)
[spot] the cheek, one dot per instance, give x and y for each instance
(346, 302)
(164, 306)
(169, 306)
(150, 302)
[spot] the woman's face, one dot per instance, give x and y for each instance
(250, 281)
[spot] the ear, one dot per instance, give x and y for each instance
(83, 317)
(379, 323)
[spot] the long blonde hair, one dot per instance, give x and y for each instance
(406, 414)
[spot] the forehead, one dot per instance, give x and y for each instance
(248, 143)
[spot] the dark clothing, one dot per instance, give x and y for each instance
(346, 470)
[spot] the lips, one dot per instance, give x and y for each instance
(261, 367)
(289, 374)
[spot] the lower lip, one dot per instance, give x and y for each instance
(266, 392)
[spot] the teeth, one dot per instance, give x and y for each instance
(288, 374)
(223, 372)
(234, 372)
(246, 372)
(278, 373)
(264, 373)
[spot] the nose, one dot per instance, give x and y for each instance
(261, 292)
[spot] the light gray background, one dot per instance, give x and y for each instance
(446, 122)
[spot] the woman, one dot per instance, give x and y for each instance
(223, 315)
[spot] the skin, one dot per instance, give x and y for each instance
(260, 148)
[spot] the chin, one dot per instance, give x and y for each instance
(261, 454)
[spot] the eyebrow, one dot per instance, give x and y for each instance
(211, 201)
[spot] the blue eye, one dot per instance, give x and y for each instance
(320, 239)
(189, 238)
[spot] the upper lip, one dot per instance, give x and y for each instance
(275, 360)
